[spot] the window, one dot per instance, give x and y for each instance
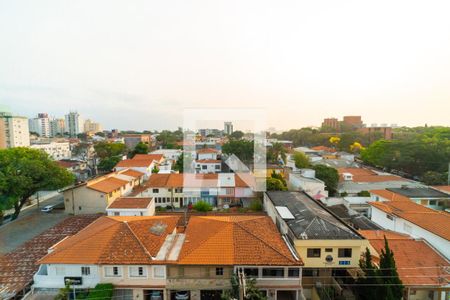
(310, 272)
(217, 167)
(85, 271)
(141, 213)
(178, 190)
(345, 252)
(294, 272)
(328, 249)
(389, 217)
(432, 202)
(251, 272)
(204, 167)
(116, 213)
(219, 271)
(313, 252)
(79, 207)
(137, 271)
(155, 191)
(159, 272)
(273, 272)
(113, 271)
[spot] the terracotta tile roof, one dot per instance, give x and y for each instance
(208, 161)
(244, 180)
(391, 196)
(113, 240)
(150, 157)
(132, 173)
(442, 188)
(366, 175)
(108, 185)
(182, 180)
(130, 202)
(417, 263)
(234, 240)
(128, 163)
(431, 220)
(67, 164)
(207, 150)
(324, 148)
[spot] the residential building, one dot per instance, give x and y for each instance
(95, 195)
(442, 188)
(76, 167)
(144, 163)
(377, 132)
(424, 271)
(169, 154)
(179, 190)
(40, 125)
(326, 244)
(92, 127)
(429, 197)
(354, 180)
(132, 253)
(131, 206)
(331, 123)
(306, 181)
(228, 128)
(216, 247)
(207, 161)
(57, 127)
(74, 124)
(352, 122)
(131, 140)
(56, 150)
(14, 131)
(416, 220)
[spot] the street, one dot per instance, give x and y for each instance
(30, 223)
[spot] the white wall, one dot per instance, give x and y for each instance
(56, 280)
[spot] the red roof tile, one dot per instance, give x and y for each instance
(108, 184)
(130, 202)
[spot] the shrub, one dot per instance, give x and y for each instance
(364, 194)
(256, 205)
(202, 206)
(102, 291)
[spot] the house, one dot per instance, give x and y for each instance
(429, 197)
(132, 253)
(354, 180)
(352, 218)
(442, 188)
(416, 220)
(216, 247)
(306, 181)
(326, 244)
(207, 161)
(76, 167)
(131, 206)
(422, 269)
(56, 150)
(169, 154)
(96, 194)
(131, 140)
(144, 163)
(178, 190)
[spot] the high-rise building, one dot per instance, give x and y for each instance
(40, 125)
(353, 122)
(92, 127)
(74, 124)
(14, 131)
(331, 123)
(228, 128)
(57, 127)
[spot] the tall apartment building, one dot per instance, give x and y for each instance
(331, 123)
(91, 126)
(14, 131)
(40, 125)
(354, 122)
(57, 127)
(74, 124)
(228, 128)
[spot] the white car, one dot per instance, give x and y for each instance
(182, 295)
(47, 208)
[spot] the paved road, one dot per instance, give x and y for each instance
(30, 223)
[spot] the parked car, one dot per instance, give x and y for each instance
(47, 208)
(183, 295)
(156, 295)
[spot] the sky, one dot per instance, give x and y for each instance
(139, 64)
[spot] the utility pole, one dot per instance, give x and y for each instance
(37, 199)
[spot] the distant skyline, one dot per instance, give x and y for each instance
(136, 65)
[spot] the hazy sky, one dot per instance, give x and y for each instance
(137, 64)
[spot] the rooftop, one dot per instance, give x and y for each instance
(366, 175)
(234, 240)
(130, 202)
(434, 221)
(132, 173)
(108, 184)
(417, 263)
(442, 188)
(312, 220)
(150, 157)
(112, 240)
(391, 196)
(353, 218)
(207, 150)
(411, 192)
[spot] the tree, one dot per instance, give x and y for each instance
(202, 206)
(106, 149)
(141, 148)
(24, 171)
(328, 175)
(155, 170)
(237, 135)
(364, 194)
(301, 160)
(434, 178)
(274, 184)
(392, 285)
(179, 165)
(369, 284)
(107, 164)
(242, 149)
(252, 292)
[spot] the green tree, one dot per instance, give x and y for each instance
(256, 205)
(107, 164)
(242, 149)
(301, 160)
(434, 178)
(237, 135)
(102, 291)
(202, 206)
(252, 292)
(328, 175)
(141, 148)
(155, 170)
(24, 171)
(364, 194)
(106, 149)
(393, 287)
(368, 285)
(274, 184)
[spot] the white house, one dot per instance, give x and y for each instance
(144, 163)
(56, 150)
(131, 206)
(416, 220)
(306, 181)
